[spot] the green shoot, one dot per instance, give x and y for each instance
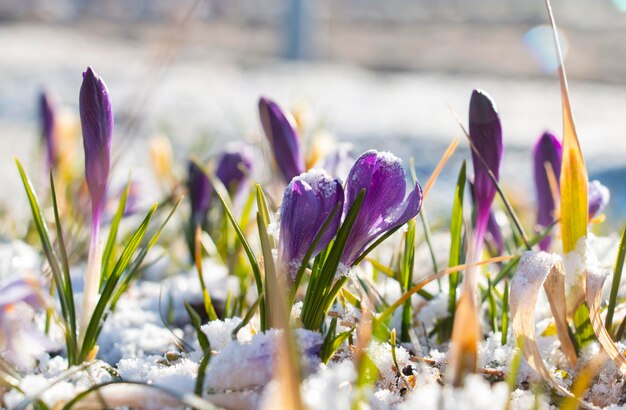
(617, 278)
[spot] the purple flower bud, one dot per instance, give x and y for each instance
(48, 118)
(96, 117)
(233, 168)
(547, 150)
(485, 134)
(599, 197)
(308, 201)
(384, 207)
(200, 193)
(283, 138)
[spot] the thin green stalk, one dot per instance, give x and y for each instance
(505, 313)
(617, 278)
(408, 259)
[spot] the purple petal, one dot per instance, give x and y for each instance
(48, 118)
(547, 150)
(485, 133)
(382, 176)
(200, 193)
(23, 289)
(599, 197)
(308, 201)
(233, 168)
(96, 117)
(283, 139)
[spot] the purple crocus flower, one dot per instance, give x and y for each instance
(485, 133)
(283, 137)
(48, 134)
(547, 150)
(308, 201)
(96, 117)
(233, 168)
(384, 207)
(599, 197)
(200, 194)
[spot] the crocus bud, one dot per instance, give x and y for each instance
(599, 197)
(546, 152)
(281, 133)
(384, 207)
(308, 201)
(233, 168)
(96, 117)
(200, 193)
(48, 132)
(485, 133)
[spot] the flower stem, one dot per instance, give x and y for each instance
(93, 271)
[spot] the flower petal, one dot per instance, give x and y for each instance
(599, 197)
(485, 132)
(283, 138)
(548, 150)
(200, 193)
(96, 117)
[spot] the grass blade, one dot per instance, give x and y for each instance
(53, 260)
(108, 249)
(256, 271)
(617, 278)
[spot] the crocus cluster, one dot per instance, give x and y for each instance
(96, 116)
(280, 129)
(311, 197)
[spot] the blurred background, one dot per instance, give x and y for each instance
(379, 74)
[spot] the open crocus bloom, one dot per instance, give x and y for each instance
(19, 338)
(384, 207)
(307, 203)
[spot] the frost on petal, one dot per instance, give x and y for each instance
(307, 203)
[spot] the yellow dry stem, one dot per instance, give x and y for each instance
(574, 179)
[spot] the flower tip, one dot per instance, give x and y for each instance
(482, 107)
